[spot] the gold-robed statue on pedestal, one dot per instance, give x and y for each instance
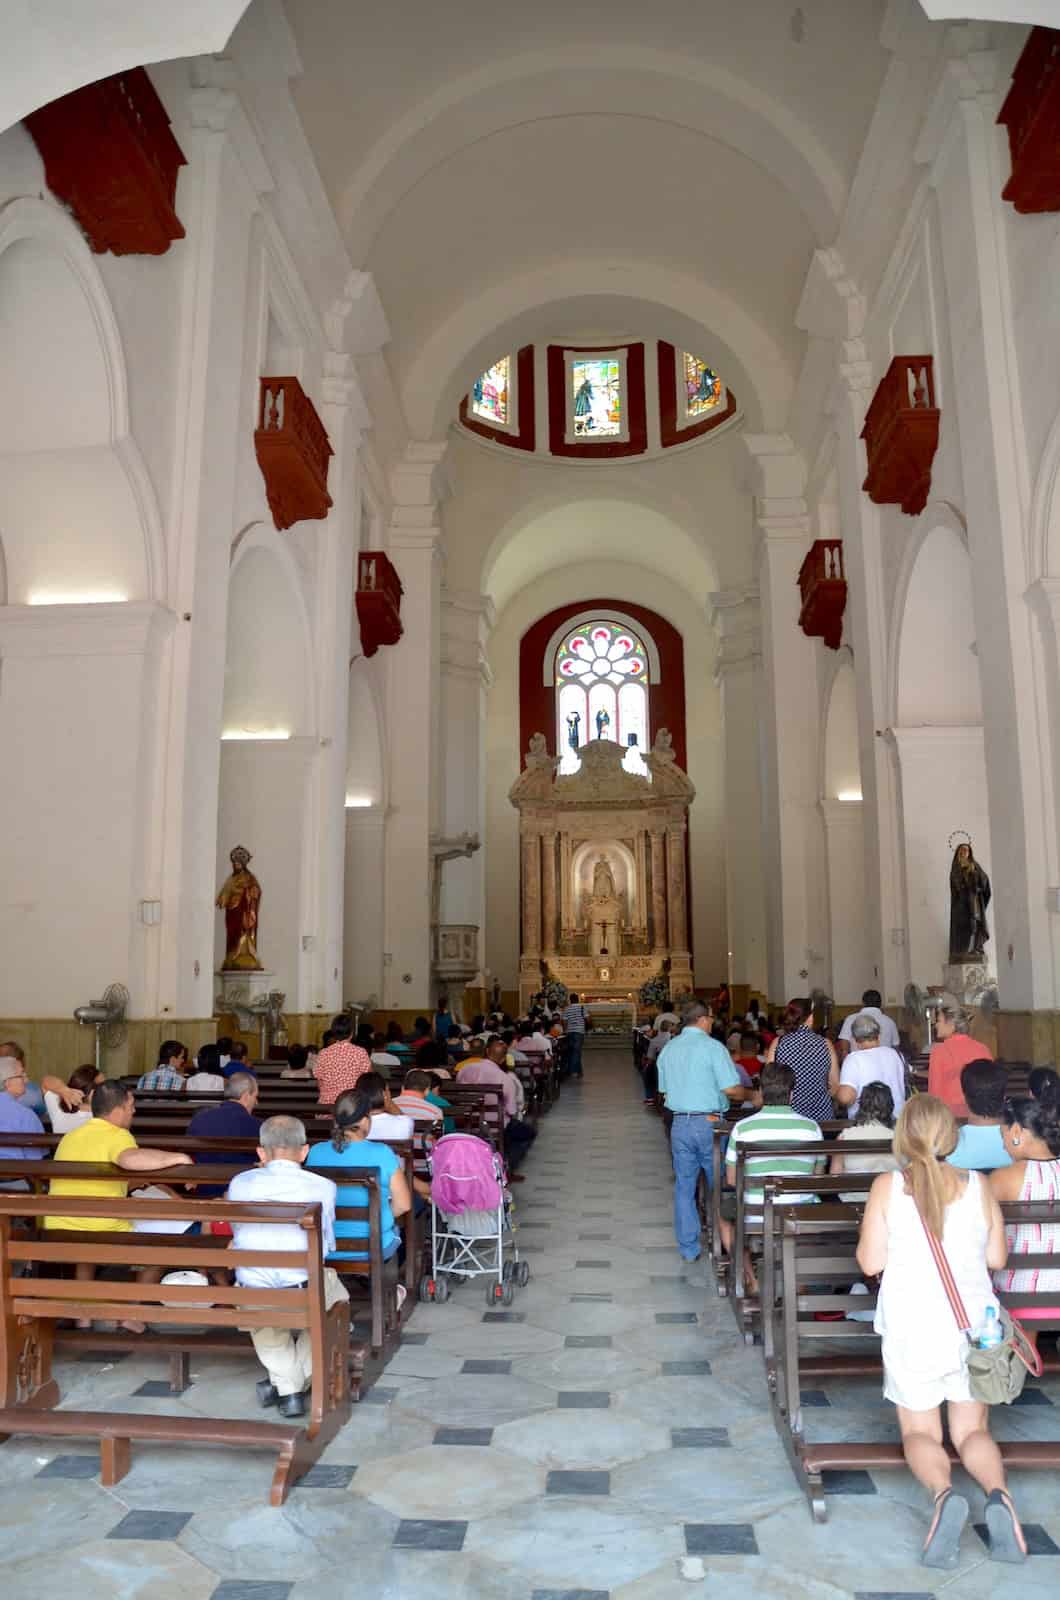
(239, 899)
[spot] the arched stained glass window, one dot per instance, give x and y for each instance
(489, 398)
(702, 390)
(601, 680)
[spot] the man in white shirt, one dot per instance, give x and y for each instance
(871, 1002)
(287, 1356)
(869, 1062)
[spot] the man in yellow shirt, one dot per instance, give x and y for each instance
(107, 1139)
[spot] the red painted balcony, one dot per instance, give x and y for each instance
(901, 435)
(379, 594)
(293, 452)
(1031, 113)
(823, 587)
(110, 156)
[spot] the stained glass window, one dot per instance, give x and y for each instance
(703, 388)
(596, 396)
(489, 394)
(601, 679)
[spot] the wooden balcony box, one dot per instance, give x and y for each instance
(379, 594)
(824, 592)
(293, 452)
(901, 435)
(110, 156)
(1031, 113)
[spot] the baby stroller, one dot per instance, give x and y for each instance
(471, 1225)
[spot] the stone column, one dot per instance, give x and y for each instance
(788, 724)
(640, 921)
(849, 936)
(531, 895)
(548, 894)
(738, 674)
(566, 908)
(675, 881)
(412, 705)
(467, 618)
(659, 932)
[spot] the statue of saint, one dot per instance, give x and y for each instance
(239, 899)
(969, 898)
(573, 723)
(603, 880)
(603, 722)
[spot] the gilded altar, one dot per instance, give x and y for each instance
(603, 870)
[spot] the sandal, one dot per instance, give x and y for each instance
(1006, 1536)
(942, 1546)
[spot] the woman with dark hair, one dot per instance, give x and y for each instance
(812, 1059)
(1043, 1081)
(1031, 1131)
(925, 1353)
(84, 1079)
(351, 1147)
(874, 1120)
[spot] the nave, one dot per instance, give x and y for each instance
(608, 1435)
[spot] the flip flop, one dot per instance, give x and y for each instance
(942, 1547)
(1004, 1529)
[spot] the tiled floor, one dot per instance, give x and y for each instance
(608, 1438)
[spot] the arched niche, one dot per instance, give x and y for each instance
(937, 665)
(624, 870)
(268, 684)
(78, 513)
(842, 761)
(842, 816)
(937, 731)
(365, 895)
(268, 751)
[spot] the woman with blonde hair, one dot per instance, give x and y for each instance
(925, 1353)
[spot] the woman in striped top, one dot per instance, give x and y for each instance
(812, 1059)
(1031, 1132)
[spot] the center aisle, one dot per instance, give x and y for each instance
(584, 1434)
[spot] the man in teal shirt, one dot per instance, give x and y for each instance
(698, 1082)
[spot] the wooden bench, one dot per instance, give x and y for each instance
(31, 1304)
(370, 1276)
(817, 1258)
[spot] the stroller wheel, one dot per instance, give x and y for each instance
(507, 1293)
(509, 1271)
(494, 1294)
(522, 1274)
(428, 1287)
(441, 1290)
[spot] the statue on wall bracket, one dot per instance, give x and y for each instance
(969, 898)
(239, 899)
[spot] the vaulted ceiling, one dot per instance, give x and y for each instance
(503, 170)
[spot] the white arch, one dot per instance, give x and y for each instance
(530, 86)
(840, 756)
(262, 537)
(524, 305)
(370, 779)
(52, 47)
(593, 847)
(936, 514)
(27, 220)
(1044, 525)
(603, 613)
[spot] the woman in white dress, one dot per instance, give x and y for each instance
(925, 1353)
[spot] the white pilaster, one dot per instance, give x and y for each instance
(788, 720)
(412, 701)
(848, 931)
(467, 619)
(738, 674)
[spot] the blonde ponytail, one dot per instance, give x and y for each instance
(925, 1135)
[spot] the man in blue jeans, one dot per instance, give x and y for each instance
(698, 1082)
(574, 1018)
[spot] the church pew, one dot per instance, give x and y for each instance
(31, 1304)
(819, 1248)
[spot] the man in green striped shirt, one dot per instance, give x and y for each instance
(776, 1123)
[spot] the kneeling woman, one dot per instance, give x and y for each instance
(925, 1353)
(351, 1147)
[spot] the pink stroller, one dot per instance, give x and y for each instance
(472, 1235)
